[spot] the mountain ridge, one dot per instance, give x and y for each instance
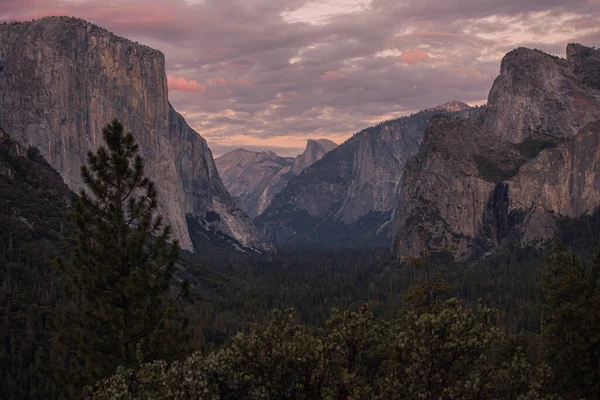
(506, 177)
(254, 178)
(84, 76)
(347, 198)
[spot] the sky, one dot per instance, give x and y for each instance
(270, 74)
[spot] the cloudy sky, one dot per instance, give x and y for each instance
(269, 74)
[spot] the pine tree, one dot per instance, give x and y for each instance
(571, 323)
(119, 280)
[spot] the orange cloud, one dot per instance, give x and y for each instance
(332, 76)
(151, 16)
(183, 85)
(414, 57)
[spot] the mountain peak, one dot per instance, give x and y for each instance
(326, 144)
(66, 26)
(571, 85)
(453, 106)
(315, 150)
(578, 53)
(240, 151)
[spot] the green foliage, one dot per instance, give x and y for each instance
(471, 352)
(444, 353)
(35, 211)
(119, 277)
(571, 323)
(448, 353)
(581, 234)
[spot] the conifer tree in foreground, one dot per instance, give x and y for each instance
(119, 279)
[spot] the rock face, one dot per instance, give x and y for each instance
(562, 181)
(348, 196)
(253, 178)
(63, 79)
(453, 106)
(315, 150)
(532, 159)
(542, 97)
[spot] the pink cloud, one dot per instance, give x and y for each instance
(288, 95)
(220, 81)
(470, 72)
(332, 76)
(586, 24)
(243, 82)
(217, 80)
(414, 57)
(242, 65)
(183, 85)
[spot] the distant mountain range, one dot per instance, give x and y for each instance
(457, 178)
(254, 178)
(347, 198)
(464, 179)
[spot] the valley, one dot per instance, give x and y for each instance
(446, 253)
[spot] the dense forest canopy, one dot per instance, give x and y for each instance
(522, 324)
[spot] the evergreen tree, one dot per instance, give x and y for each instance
(119, 279)
(450, 353)
(571, 323)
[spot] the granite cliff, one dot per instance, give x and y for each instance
(531, 160)
(63, 79)
(253, 178)
(347, 197)
(314, 151)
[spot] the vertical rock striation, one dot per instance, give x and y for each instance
(542, 97)
(314, 151)
(63, 79)
(347, 198)
(532, 159)
(253, 178)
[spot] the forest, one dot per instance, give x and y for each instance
(97, 303)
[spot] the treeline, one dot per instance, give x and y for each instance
(433, 349)
(123, 304)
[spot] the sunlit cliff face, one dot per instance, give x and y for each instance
(269, 74)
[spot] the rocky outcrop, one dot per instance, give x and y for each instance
(532, 159)
(9, 148)
(63, 79)
(253, 178)
(561, 181)
(347, 198)
(541, 97)
(453, 106)
(315, 150)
